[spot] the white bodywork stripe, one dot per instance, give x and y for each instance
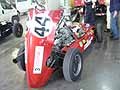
(88, 43)
(39, 51)
(26, 54)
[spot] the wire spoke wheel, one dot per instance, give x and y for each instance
(72, 65)
(77, 65)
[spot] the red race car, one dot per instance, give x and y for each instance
(53, 40)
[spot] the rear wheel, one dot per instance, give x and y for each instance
(72, 65)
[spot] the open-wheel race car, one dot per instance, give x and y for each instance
(54, 40)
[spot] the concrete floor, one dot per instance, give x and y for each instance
(101, 68)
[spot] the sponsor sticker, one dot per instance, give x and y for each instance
(81, 44)
(88, 43)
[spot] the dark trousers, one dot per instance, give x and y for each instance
(89, 15)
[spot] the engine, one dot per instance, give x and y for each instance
(64, 37)
(65, 33)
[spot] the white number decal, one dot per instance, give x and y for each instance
(41, 25)
(39, 51)
(43, 29)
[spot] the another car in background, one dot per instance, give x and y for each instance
(8, 18)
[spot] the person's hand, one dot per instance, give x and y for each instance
(115, 14)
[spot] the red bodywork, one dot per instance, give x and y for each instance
(31, 41)
(86, 39)
(79, 3)
(39, 76)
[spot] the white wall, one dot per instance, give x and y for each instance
(53, 4)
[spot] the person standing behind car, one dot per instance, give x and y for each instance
(89, 13)
(114, 10)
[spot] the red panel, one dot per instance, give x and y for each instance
(37, 80)
(78, 2)
(40, 79)
(88, 36)
(30, 13)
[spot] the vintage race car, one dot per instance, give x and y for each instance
(54, 40)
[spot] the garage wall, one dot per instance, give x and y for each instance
(53, 4)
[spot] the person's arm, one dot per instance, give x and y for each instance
(115, 13)
(116, 7)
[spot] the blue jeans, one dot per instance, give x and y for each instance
(114, 26)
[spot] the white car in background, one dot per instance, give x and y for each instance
(9, 20)
(8, 13)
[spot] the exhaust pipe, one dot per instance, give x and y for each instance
(16, 60)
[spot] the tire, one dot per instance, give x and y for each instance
(99, 31)
(21, 59)
(72, 67)
(17, 30)
(15, 19)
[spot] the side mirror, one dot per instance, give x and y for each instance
(17, 30)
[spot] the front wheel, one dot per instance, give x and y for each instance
(72, 65)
